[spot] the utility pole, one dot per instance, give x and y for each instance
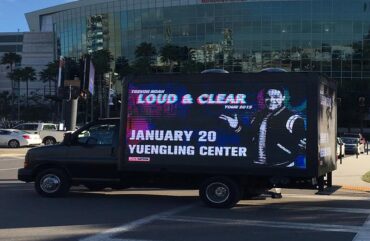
(108, 95)
(71, 94)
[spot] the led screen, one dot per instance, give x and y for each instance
(238, 124)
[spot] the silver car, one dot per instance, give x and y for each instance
(16, 138)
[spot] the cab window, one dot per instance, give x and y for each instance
(100, 134)
(49, 127)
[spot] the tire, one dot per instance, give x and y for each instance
(49, 141)
(13, 144)
(95, 186)
(220, 192)
(52, 183)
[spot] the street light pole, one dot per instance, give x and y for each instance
(108, 95)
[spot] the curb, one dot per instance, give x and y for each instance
(355, 188)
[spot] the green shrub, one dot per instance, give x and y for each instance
(366, 177)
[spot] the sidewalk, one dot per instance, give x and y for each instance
(13, 152)
(349, 173)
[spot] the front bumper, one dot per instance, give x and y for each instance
(25, 175)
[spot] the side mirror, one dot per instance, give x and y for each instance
(67, 139)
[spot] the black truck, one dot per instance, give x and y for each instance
(229, 135)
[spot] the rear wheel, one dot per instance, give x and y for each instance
(220, 192)
(52, 183)
(49, 141)
(13, 144)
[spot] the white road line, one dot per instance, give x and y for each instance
(9, 169)
(268, 224)
(13, 155)
(108, 234)
(364, 233)
(328, 197)
(11, 182)
(313, 208)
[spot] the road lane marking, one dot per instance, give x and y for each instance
(310, 208)
(2, 183)
(108, 234)
(9, 169)
(327, 197)
(13, 155)
(48, 233)
(268, 224)
(364, 233)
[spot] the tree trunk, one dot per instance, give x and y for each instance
(172, 64)
(100, 96)
(27, 93)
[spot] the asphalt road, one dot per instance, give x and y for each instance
(173, 215)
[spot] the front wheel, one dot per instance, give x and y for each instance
(220, 192)
(52, 183)
(49, 141)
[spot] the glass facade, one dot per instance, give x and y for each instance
(327, 36)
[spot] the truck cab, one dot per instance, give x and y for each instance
(87, 156)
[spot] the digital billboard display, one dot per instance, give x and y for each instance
(223, 124)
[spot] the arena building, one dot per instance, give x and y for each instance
(326, 36)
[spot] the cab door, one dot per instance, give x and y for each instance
(93, 152)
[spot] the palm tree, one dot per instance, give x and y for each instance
(49, 74)
(28, 74)
(16, 76)
(122, 67)
(144, 53)
(145, 50)
(11, 59)
(170, 54)
(102, 60)
(5, 103)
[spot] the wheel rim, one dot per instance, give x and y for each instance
(217, 192)
(49, 142)
(13, 144)
(50, 183)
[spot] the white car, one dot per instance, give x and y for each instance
(15, 138)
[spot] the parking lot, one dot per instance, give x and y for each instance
(174, 215)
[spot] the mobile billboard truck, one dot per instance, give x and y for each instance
(228, 135)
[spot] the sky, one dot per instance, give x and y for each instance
(12, 12)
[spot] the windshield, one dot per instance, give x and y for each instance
(349, 140)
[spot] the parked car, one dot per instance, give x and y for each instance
(48, 132)
(355, 135)
(340, 147)
(353, 145)
(16, 138)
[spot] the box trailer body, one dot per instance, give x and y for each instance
(228, 135)
(185, 125)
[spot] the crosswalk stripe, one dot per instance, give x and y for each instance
(364, 233)
(269, 224)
